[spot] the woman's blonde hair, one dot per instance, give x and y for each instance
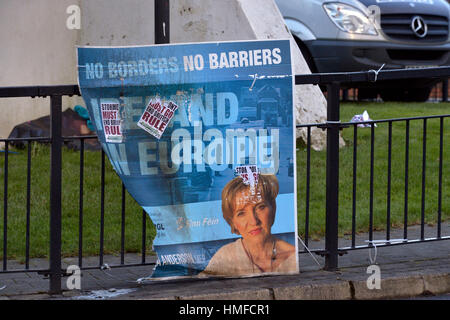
(267, 187)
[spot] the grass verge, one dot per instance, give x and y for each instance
(379, 111)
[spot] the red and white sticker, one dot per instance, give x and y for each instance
(249, 174)
(157, 116)
(112, 124)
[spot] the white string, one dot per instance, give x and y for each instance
(376, 72)
(107, 267)
(253, 83)
(374, 242)
(373, 261)
(385, 241)
(309, 251)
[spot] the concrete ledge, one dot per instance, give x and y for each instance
(437, 283)
(390, 288)
(330, 291)
(396, 287)
(259, 294)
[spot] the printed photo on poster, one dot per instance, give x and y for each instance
(251, 212)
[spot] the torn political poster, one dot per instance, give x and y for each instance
(207, 149)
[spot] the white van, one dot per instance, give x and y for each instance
(361, 35)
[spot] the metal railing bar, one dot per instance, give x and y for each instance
(374, 121)
(405, 211)
(22, 270)
(144, 235)
(48, 139)
(355, 163)
(389, 177)
(5, 209)
(371, 75)
(102, 208)
(332, 178)
(308, 179)
(397, 119)
(28, 213)
(80, 137)
(55, 193)
(39, 91)
(80, 206)
(424, 166)
(441, 147)
(307, 125)
(372, 162)
(120, 266)
(394, 243)
(315, 78)
(122, 231)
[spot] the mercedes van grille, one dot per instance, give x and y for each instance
(399, 27)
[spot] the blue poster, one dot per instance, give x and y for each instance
(202, 136)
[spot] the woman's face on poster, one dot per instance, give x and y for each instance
(252, 215)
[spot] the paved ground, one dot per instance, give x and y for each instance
(412, 270)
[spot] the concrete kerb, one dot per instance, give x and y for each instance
(403, 287)
(436, 283)
(397, 287)
(331, 287)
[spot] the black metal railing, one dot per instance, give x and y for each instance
(333, 127)
(56, 140)
(352, 171)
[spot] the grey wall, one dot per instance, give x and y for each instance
(38, 48)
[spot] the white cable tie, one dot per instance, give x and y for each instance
(1, 288)
(374, 260)
(385, 241)
(253, 83)
(141, 280)
(376, 72)
(309, 251)
(375, 242)
(105, 266)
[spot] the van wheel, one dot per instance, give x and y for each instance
(406, 94)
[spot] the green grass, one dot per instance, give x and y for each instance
(40, 206)
(40, 194)
(378, 111)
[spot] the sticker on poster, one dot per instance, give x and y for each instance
(111, 122)
(249, 174)
(157, 116)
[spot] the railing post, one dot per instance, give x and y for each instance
(162, 21)
(345, 95)
(55, 194)
(445, 90)
(332, 177)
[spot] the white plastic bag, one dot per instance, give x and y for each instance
(362, 117)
